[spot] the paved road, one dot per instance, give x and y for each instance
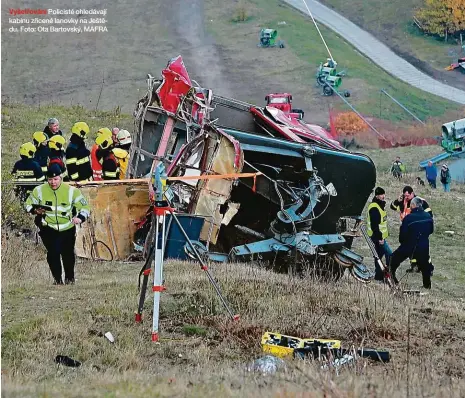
(378, 52)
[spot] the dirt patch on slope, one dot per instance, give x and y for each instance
(109, 69)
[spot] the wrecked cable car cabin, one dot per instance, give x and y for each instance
(301, 209)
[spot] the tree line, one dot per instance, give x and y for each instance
(442, 17)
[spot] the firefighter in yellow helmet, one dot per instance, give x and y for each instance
(40, 140)
(57, 153)
(123, 144)
(105, 155)
(96, 165)
(26, 170)
(77, 155)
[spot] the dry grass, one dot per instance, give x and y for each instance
(202, 353)
(41, 321)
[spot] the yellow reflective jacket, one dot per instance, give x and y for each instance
(61, 204)
(123, 158)
(383, 228)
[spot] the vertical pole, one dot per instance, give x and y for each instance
(158, 275)
(380, 97)
(408, 351)
(100, 93)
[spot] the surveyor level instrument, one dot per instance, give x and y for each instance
(161, 208)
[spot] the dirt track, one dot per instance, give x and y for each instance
(71, 68)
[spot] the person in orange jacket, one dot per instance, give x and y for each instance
(96, 165)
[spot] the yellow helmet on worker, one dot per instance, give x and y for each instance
(39, 137)
(104, 140)
(57, 142)
(104, 130)
(81, 129)
(28, 150)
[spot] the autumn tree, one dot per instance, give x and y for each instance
(442, 17)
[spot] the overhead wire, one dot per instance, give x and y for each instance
(318, 29)
(332, 59)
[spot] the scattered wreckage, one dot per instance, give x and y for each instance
(299, 209)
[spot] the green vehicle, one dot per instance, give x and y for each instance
(328, 75)
(453, 143)
(268, 38)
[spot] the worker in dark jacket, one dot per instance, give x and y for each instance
(40, 141)
(105, 155)
(77, 155)
(52, 128)
(377, 229)
(445, 177)
(402, 205)
(414, 241)
(26, 170)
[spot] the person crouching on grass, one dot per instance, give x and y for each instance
(60, 208)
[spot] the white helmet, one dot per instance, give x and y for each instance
(123, 137)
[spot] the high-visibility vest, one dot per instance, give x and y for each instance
(383, 228)
(60, 204)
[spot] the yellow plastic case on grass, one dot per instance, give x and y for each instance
(282, 346)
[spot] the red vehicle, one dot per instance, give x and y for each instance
(283, 102)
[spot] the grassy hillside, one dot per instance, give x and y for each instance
(392, 22)
(295, 66)
(201, 352)
(110, 68)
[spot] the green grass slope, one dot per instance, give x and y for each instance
(392, 22)
(295, 66)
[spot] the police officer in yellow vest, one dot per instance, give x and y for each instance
(378, 230)
(60, 208)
